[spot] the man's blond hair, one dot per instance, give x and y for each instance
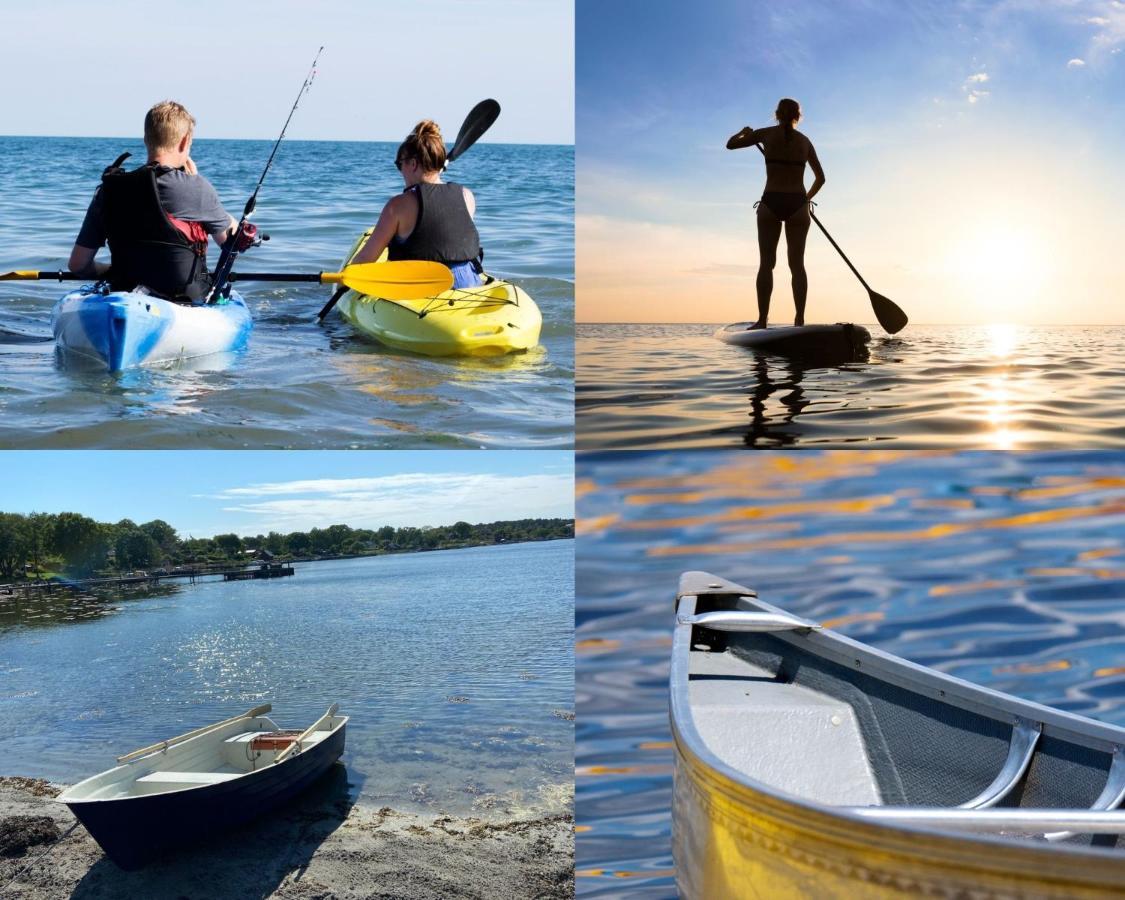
(166, 124)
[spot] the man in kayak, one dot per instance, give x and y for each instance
(431, 219)
(157, 218)
(784, 202)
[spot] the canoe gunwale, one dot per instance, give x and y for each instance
(717, 805)
(911, 676)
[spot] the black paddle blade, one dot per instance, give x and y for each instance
(327, 308)
(477, 122)
(890, 317)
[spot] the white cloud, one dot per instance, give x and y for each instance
(1075, 63)
(1110, 30)
(975, 94)
(406, 499)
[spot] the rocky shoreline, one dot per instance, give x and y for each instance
(321, 847)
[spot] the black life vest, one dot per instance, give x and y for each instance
(147, 246)
(444, 232)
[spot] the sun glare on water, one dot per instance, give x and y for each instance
(1003, 269)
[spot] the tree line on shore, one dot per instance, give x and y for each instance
(77, 545)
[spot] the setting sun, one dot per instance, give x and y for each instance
(1002, 266)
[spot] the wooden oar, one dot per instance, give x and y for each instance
(164, 745)
(890, 316)
(407, 279)
(296, 745)
(477, 122)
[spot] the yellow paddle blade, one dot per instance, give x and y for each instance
(19, 275)
(407, 279)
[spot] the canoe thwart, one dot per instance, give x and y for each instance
(1109, 799)
(1025, 735)
(742, 620)
(164, 745)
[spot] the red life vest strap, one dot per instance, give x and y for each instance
(193, 231)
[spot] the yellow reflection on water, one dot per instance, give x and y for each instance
(931, 533)
(595, 524)
(857, 506)
(998, 412)
(971, 587)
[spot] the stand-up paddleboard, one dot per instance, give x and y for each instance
(842, 336)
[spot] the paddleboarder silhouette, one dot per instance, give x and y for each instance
(784, 202)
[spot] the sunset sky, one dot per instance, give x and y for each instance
(972, 151)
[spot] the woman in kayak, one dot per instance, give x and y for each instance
(431, 219)
(784, 202)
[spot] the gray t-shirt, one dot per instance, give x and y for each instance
(187, 197)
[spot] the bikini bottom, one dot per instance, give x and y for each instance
(784, 203)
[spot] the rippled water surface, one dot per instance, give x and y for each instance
(391, 639)
(1004, 569)
(990, 387)
(300, 384)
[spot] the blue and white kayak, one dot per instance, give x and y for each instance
(125, 329)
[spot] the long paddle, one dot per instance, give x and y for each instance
(296, 745)
(407, 279)
(164, 745)
(477, 122)
(890, 316)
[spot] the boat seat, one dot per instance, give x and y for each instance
(246, 737)
(188, 777)
(781, 734)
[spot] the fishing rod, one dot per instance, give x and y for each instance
(229, 253)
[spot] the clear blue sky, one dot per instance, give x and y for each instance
(247, 492)
(972, 148)
(72, 67)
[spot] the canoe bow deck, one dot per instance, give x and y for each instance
(808, 764)
(176, 792)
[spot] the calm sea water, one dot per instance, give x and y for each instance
(300, 384)
(390, 639)
(989, 387)
(1004, 569)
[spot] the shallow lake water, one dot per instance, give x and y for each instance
(456, 668)
(300, 384)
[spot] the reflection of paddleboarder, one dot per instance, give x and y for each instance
(784, 202)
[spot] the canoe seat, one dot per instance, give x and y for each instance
(784, 735)
(188, 777)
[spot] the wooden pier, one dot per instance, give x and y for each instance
(268, 570)
(81, 585)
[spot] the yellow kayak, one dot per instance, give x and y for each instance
(490, 320)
